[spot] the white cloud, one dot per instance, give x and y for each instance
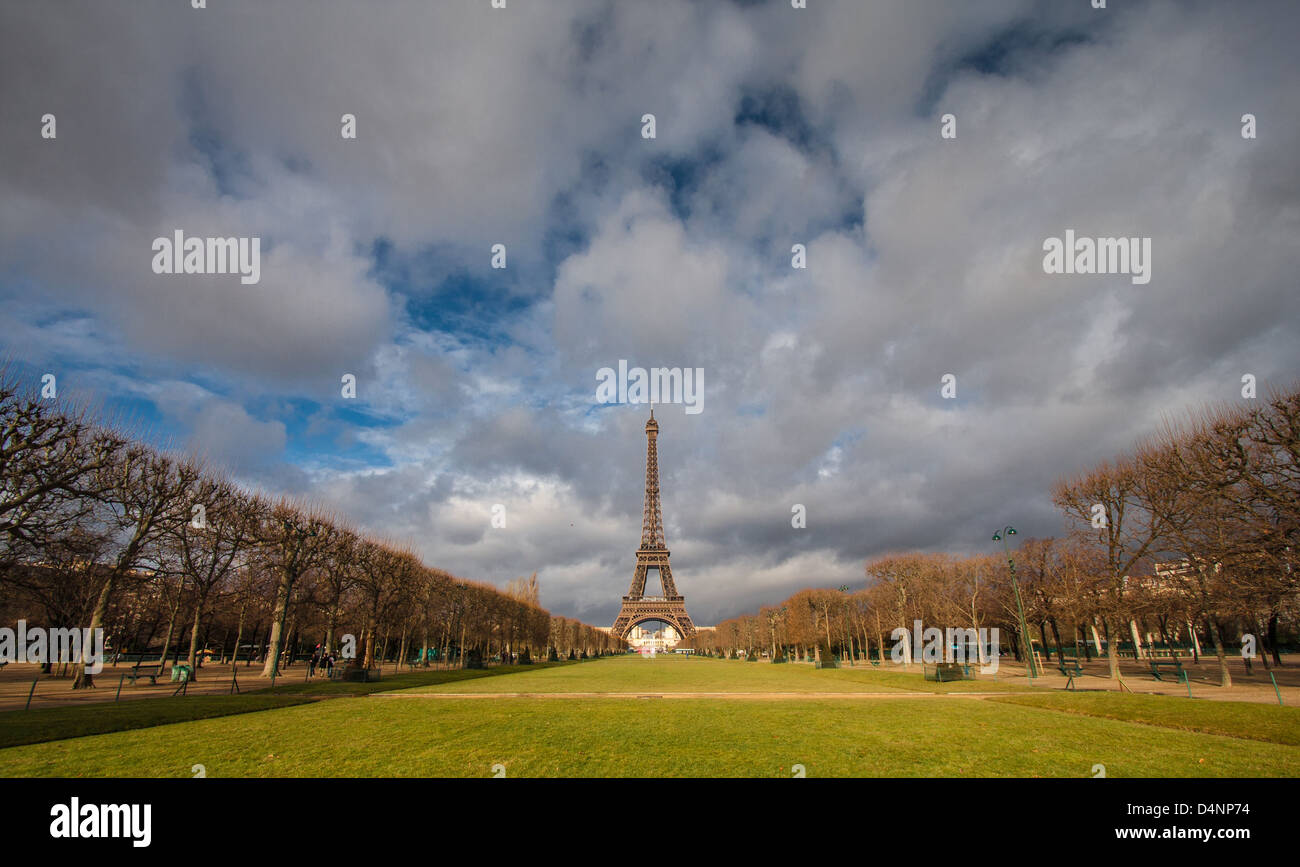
(477, 127)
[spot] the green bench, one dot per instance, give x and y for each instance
(1172, 664)
(1070, 669)
(135, 674)
(945, 672)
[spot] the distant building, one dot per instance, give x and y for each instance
(660, 640)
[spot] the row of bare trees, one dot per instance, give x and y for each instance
(1190, 539)
(937, 589)
(98, 530)
(1204, 517)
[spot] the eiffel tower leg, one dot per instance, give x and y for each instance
(666, 579)
(638, 581)
(620, 626)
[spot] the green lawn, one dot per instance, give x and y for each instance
(885, 678)
(56, 723)
(666, 674)
(909, 735)
(328, 688)
(1264, 722)
(624, 674)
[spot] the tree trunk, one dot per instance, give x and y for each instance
(1225, 676)
(291, 639)
(368, 634)
(239, 635)
(1263, 646)
(283, 588)
(1112, 652)
(1162, 621)
(83, 678)
(330, 627)
(1137, 640)
(171, 623)
(383, 649)
(193, 657)
(257, 630)
(1272, 638)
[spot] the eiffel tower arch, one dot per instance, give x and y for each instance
(653, 554)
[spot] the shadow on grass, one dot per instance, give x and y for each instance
(18, 727)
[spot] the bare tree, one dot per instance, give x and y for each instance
(216, 540)
(1116, 495)
(48, 459)
(291, 542)
(145, 494)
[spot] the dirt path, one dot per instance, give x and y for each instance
(748, 696)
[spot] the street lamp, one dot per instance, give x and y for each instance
(1001, 536)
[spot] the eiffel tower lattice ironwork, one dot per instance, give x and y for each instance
(653, 554)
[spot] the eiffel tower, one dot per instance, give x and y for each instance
(653, 554)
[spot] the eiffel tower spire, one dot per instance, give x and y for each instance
(652, 521)
(653, 554)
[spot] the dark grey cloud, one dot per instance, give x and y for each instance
(775, 127)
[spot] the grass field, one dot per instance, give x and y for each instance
(19, 727)
(905, 732)
(677, 674)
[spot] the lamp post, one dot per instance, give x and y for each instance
(1001, 536)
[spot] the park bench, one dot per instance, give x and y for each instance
(135, 674)
(944, 672)
(1174, 664)
(1070, 669)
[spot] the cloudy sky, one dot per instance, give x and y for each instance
(774, 127)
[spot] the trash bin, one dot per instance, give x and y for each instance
(181, 673)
